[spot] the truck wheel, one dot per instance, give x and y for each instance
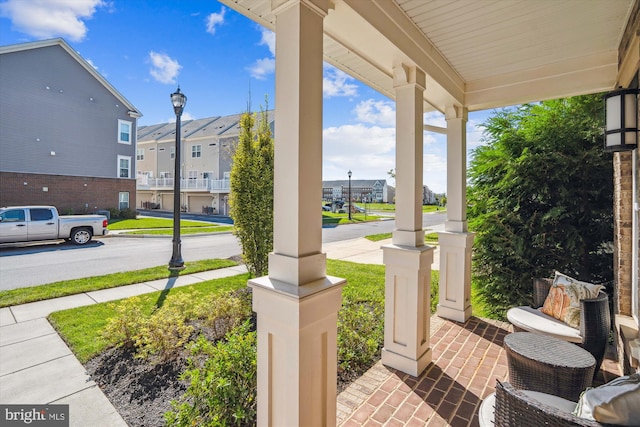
(80, 236)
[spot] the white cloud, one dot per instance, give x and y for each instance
(368, 147)
(163, 68)
(435, 172)
(214, 20)
(376, 112)
(268, 39)
(51, 18)
(475, 131)
(434, 118)
(367, 151)
(337, 83)
(264, 67)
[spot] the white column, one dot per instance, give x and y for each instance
(297, 304)
(407, 259)
(455, 242)
(409, 84)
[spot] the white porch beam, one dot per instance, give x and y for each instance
(455, 242)
(297, 304)
(407, 259)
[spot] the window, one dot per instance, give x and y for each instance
(124, 167)
(124, 132)
(193, 174)
(172, 152)
(16, 215)
(123, 198)
(196, 151)
(140, 154)
(39, 214)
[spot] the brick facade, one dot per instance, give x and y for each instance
(75, 194)
(622, 230)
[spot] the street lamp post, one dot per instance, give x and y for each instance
(349, 173)
(178, 99)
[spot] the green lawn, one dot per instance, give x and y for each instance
(330, 218)
(82, 327)
(183, 230)
(139, 223)
(164, 227)
(429, 238)
(391, 207)
(71, 287)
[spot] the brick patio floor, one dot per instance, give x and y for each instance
(467, 360)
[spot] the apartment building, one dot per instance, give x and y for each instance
(207, 148)
(67, 137)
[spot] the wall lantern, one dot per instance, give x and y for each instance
(621, 128)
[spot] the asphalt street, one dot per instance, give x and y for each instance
(25, 265)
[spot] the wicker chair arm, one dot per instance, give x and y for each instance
(514, 408)
(541, 288)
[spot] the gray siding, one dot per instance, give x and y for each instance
(50, 103)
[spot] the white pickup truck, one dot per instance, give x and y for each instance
(31, 223)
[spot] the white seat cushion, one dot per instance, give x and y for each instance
(554, 401)
(485, 413)
(533, 320)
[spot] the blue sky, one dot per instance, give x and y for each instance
(223, 62)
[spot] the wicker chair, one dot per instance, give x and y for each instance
(513, 407)
(595, 321)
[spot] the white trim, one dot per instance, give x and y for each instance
(127, 158)
(120, 124)
(120, 201)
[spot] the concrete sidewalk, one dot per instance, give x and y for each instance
(37, 367)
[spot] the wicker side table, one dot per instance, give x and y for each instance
(549, 365)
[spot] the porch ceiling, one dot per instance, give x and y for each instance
(476, 53)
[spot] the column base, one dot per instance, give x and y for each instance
(455, 275)
(407, 313)
(405, 364)
(297, 351)
(457, 315)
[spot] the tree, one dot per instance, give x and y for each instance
(251, 195)
(541, 199)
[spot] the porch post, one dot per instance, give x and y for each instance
(455, 242)
(297, 303)
(407, 259)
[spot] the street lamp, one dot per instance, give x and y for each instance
(349, 173)
(178, 99)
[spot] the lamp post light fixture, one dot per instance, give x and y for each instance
(349, 173)
(178, 99)
(621, 128)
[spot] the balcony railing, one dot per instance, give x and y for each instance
(211, 185)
